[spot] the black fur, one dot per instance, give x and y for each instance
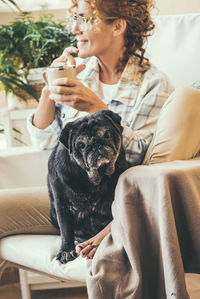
(83, 171)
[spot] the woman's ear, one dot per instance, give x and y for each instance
(119, 27)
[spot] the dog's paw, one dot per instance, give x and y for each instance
(66, 256)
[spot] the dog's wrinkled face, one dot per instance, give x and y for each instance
(94, 142)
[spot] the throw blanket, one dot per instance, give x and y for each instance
(155, 235)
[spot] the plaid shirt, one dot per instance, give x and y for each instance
(138, 104)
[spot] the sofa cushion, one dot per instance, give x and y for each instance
(38, 252)
(23, 167)
(177, 133)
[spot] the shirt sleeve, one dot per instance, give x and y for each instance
(138, 133)
(45, 138)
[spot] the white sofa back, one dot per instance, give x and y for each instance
(175, 47)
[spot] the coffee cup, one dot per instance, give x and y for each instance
(53, 73)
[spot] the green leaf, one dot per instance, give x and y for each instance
(17, 131)
(12, 2)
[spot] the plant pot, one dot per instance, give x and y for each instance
(35, 75)
(36, 81)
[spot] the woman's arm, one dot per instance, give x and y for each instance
(43, 125)
(45, 113)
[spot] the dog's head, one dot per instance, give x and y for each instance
(94, 143)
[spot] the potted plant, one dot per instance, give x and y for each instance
(26, 44)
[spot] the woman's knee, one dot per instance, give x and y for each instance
(183, 100)
(187, 98)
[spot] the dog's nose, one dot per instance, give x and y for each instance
(101, 149)
(102, 169)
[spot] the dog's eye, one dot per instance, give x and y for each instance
(108, 134)
(80, 145)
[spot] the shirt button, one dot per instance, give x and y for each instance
(63, 115)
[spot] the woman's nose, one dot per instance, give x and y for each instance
(75, 28)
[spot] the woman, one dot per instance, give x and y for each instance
(113, 74)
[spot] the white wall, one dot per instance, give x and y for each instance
(177, 6)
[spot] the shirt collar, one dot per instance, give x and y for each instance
(129, 75)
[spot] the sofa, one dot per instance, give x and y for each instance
(173, 48)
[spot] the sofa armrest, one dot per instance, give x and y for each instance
(23, 167)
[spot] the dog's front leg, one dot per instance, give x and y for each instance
(67, 251)
(65, 221)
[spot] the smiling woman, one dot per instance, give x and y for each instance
(138, 24)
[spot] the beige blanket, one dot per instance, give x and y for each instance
(155, 235)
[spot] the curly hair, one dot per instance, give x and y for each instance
(139, 25)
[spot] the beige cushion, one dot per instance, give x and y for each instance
(177, 135)
(23, 167)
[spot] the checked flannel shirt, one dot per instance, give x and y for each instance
(138, 104)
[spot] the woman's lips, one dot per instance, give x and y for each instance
(82, 42)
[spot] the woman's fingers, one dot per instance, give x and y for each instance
(89, 251)
(73, 93)
(92, 252)
(64, 82)
(70, 50)
(88, 248)
(66, 56)
(79, 248)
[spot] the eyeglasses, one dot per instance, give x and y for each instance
(82, 22)
(85, 23)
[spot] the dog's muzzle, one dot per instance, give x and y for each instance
(100, 164)
(96, 174)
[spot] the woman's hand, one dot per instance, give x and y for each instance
(88, 248)
(66, 58)
(71, 92)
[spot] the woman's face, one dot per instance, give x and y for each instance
(92, 41)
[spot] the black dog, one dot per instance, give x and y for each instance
(83, 171)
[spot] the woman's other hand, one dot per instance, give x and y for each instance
(88, 248)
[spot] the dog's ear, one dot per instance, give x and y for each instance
(114, 118)
(65, 136)
(113, 115)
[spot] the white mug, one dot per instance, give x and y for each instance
(53, 73)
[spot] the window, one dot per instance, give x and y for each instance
(30, 5)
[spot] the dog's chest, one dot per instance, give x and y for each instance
(81, 204)
(95, 203)
(82, 211)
